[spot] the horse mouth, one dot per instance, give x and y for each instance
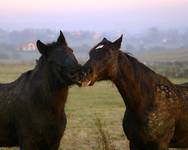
(87, 82)
(88, 78)
(74, 78)
(69, 77)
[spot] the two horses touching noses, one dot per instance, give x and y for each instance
(32, 107)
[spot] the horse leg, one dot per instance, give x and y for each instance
(54, 147)
(50, 147)
(165, 141)
(28, 147)
(156, 146)
(39, 147)
(27, 143)
(135, 145)
(163, 144)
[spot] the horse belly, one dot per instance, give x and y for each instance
(130, 125)
(180, 142)
(180, 138)
(8, 136)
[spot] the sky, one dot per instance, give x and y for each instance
(95, 15)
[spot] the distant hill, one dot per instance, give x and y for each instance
(152, 45)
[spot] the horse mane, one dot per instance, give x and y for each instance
(139, 66)
(141, 71)
(37, 74)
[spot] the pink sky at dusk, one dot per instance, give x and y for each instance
(88, 14)
(84, 5)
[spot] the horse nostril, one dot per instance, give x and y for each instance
(74, 73)
(84, 74)
(89, 71)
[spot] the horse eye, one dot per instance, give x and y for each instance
(98, 50)
(71, 50)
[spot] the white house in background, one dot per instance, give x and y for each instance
(27, 47)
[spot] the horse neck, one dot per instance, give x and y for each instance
(51, 93)
(134, 82)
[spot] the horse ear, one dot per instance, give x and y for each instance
(61, 39)
(117, 43)
(104, 39)
(41, 47)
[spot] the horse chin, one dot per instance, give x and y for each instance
(66, 80)
(79, 83)
(74, 80)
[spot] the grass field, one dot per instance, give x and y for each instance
(164, 55)
(89, 110)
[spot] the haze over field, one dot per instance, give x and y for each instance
(150, 27)
(104, 15)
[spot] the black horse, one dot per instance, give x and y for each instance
(32, 107)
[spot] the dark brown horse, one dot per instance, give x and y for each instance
(156, 116)
(32, 107)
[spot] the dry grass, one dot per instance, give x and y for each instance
(94, 115)
(104, 138)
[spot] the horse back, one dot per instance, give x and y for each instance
(183, 89)
(11, 95)
(183, 85)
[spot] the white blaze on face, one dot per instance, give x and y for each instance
(100, 46)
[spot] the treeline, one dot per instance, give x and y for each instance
(170, 69)
(152, 40)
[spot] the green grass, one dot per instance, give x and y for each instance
(83, 104)
(179, 80)
(82, 107)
